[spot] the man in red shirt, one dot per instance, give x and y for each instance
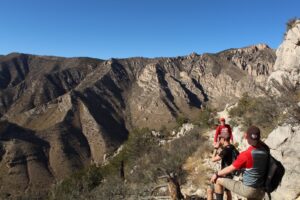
(222, 128)
(254, 160)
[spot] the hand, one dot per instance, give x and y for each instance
(213, 178)
(216, 145)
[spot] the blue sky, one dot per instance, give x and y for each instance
(148, 28)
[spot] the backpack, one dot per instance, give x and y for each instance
(275, 172)
(235, 154)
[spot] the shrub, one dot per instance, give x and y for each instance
(139, 142)
(164, 132)
(144, 161)
(142, 168)
(288, 102)
(168, 158)
(261, 111)
(291, 23)
(112, 188)
(206, 118)
(181, 120)
(233, 122)
(77, 184)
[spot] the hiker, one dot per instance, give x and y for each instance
(222, 128)
(254, 160)
(227, 155)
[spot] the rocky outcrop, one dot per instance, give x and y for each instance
(257, 60)
(284, 142)
(287, 66)
(24, 161)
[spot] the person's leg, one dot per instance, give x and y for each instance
(241, 189)
(210, 192)
(215, 152)
(228, 194)
(219, 191)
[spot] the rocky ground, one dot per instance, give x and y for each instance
(200, 167)
(283, 142)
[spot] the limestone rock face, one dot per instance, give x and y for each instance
(61, 114)
(284, 143)
(257, 60)
(287, 65)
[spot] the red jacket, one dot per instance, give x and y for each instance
(221, 129)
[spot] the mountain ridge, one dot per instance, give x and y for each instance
(84, 108)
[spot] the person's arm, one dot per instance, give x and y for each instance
(216, 135)
(216, 158)
(239, 163)
(219, 156)
(230, 132)
(223, 172)
(226, 170)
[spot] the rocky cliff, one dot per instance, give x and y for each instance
(287, 66)
(61, 114)
(285, 139)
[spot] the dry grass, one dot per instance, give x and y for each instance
(198, 173)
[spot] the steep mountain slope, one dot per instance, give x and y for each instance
(61, 114)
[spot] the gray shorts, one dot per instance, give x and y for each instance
(239, 188)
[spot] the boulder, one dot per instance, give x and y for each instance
(284, 142)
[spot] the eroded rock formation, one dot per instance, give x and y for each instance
(287, 66)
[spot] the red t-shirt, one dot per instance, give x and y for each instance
(254, 160)
(222, 128)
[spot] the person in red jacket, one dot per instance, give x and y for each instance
(222, 128)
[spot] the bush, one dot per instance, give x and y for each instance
(206, 118)
(143, 168)
(167, 158)
(291, 23)
(288, 102)
(112, 188)
(261, 111)
(143, 162)
(77, 184)
(181, 120)
(139, 142)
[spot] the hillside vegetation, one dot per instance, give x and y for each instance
(135, 170)
(266, 111)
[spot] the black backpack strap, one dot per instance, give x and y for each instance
(266, 173)
(269, 196)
